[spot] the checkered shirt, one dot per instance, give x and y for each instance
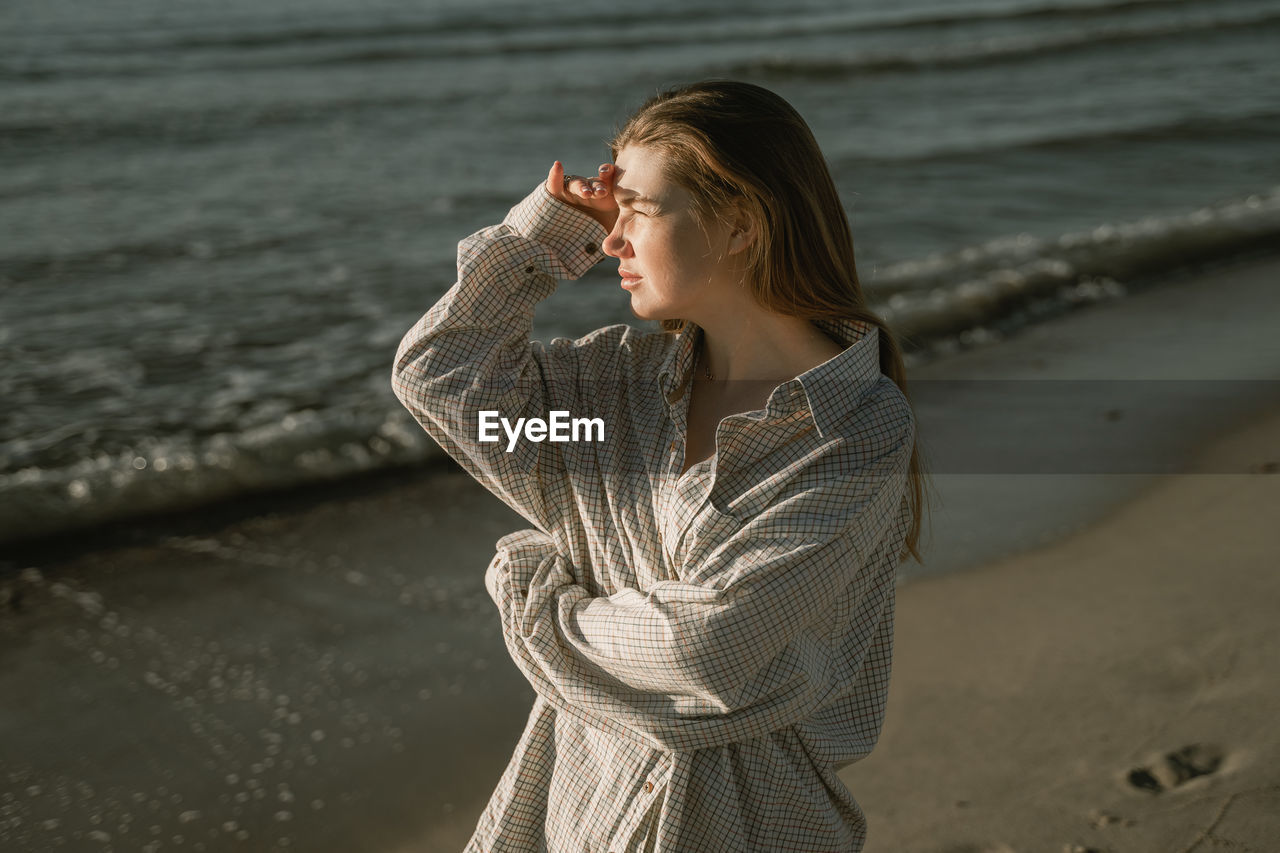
(707, 649)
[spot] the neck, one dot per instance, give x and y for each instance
(761, 346)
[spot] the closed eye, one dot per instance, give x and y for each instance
(629, 204)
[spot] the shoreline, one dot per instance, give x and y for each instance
(934, 362)
(337, 661)
(1053, 429)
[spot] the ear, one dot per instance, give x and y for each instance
(743, 232)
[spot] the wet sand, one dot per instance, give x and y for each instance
(324, 672)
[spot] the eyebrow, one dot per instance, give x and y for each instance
(632, 196)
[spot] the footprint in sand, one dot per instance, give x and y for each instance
(1175, 768)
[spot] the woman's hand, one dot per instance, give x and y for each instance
(593, 196)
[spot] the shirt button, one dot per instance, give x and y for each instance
(648, 787)
(592, 248)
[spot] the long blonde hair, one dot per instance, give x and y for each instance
(730, 143)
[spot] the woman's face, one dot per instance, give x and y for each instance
(668, 264)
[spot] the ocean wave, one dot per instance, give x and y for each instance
(984, 50)
(945, 294)
(151, 53)
(988, 51)
(199, 244)
(132, 39)
(1261, 125)
(999, 284)
(163, 475)
(200, 123)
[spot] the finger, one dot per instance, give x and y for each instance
(603, 184)
(555, 179)
(582, 187)
(607, 176)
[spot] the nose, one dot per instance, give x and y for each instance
(615, 245)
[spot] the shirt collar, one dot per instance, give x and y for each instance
(829, 391)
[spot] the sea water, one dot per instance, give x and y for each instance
(217, 221)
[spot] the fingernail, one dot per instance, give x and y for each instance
(604, 168)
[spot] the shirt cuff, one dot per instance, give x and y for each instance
(571, 235)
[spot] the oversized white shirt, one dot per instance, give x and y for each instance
(708, 649)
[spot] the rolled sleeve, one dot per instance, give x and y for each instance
(571, 236)
(472, 352)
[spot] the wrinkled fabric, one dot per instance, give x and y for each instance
(707, 649)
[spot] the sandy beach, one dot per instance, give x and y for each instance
(1115, 691)
(1082, 664)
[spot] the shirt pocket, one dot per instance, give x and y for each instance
(710, 529)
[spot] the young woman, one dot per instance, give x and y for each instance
(706, 606)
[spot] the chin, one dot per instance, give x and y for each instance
(646, 308)
(644, 312)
